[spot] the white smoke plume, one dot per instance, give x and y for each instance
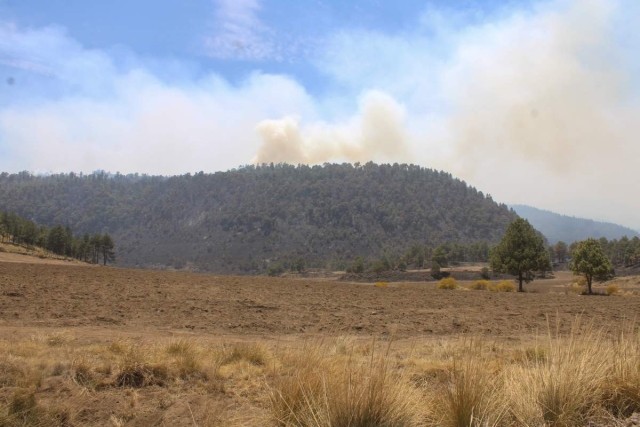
(377, 131)
(550, 88)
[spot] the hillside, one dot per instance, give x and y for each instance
(569, 229)
(241, 220)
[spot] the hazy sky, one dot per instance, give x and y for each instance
(534, 102)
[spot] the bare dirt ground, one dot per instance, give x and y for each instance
(46, 295)
(68, 331)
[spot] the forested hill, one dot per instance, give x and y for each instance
(569, 229)
(241, 220)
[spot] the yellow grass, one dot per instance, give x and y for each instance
(480, 285)
(448, 283)
(587, 377)
(504, 286)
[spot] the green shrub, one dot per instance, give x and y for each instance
(275, 270)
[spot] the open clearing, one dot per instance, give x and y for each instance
(203, 350)
(121, 299)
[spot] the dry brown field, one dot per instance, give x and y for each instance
(98, 346)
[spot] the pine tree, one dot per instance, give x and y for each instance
(519, 253)
(590, 262)
(106, 247)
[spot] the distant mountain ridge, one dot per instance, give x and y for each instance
(557, 227)
(242, 220)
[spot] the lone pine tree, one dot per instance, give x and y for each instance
(520, 253)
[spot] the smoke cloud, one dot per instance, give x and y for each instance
(550, 88)
(536, 104)
(377, 131)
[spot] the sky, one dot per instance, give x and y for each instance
(534, 102)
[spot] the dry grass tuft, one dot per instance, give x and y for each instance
(82, 372)
(320, 391)
(187, 360)
(575, 288)
(23, 410)
(622, 388)
(480, 285)
(469, 397)
(612, 290)
(564, 388)
(136, 371)
(253, 353)
(381, 284)
(448, 283)
(504, 286)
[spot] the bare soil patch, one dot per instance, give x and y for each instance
(45, 295)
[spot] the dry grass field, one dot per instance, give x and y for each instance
(91, 346)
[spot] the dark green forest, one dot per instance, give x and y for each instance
(246, 219)
(59, 240)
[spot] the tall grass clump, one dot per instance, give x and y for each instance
(136, 369)
(321, 391)
(470, 397)
(448, 283)
(622, 388)
(563, 389)
(187, 359)
(254, 354)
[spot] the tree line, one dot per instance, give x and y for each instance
(522, 253)
(624, 252)
(96, 248)
(423, 256)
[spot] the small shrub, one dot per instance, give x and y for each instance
(357, 267)
(484, 273)
(612, 290)
(275, 270)
(381, 284)
(480, 285)
(448, 283)
(504, 286)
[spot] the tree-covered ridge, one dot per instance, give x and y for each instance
(244, 219)
(556, 227)
(59, 240)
